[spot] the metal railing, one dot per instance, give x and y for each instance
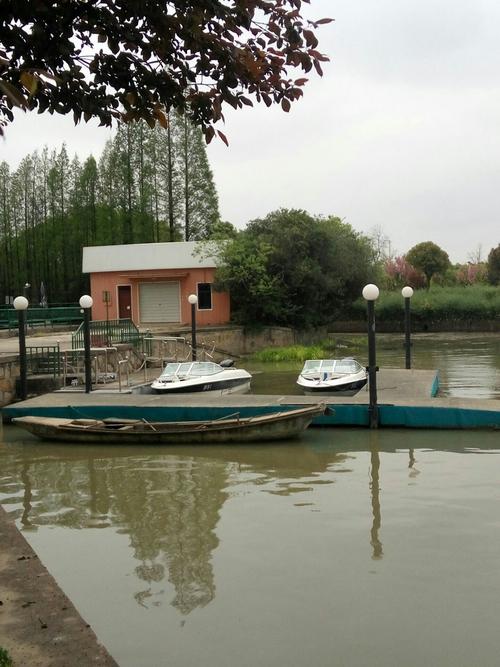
(166, 348)
(107, 333)
(73, 366)
(159, 350)
(69, 365)
(43, 360)
(123, 367)
(41, 316)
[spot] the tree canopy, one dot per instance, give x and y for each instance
(494, 266)
(149, 185)
(138, 60)
(428, 258)
(293, 269)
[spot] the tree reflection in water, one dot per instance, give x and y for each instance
(168, 504)
(168, 501)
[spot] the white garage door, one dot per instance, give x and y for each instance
(159, 302)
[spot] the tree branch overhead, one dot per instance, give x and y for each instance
(126, 60)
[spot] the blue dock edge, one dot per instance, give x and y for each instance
(401, 416)
(345, 414)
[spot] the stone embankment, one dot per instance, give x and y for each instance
(427, 326)
(39, 625)
(9, 371)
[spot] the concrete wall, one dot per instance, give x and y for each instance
(41, 384)
(188, 280)
(434, 326)
(236, 341)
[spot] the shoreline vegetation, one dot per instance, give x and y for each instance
(446, 304)
(5, 659)
(472, 308)
(326, 349)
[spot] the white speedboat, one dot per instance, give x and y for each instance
(342, 377)
(205, 376)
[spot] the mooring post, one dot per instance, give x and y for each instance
(21, 304)
(86, 303)
(370, 294)
(407, 293)
(193, 300)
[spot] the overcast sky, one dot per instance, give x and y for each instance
(401, 133)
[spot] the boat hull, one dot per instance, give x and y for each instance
(325, 389)
(223, 388)
(270, 427)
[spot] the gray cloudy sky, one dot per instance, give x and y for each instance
(402, 132)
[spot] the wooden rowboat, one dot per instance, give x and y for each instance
(285, 424)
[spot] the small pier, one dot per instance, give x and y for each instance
(406, 398)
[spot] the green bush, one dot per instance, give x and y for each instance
(473, 302)
(325, 350)
(5, 659)
(289, 353)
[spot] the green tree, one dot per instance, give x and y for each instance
(88, 202)
(223, 230)
(428, 258)
(192, 57)
(494, 266)
(201, 205)
(52, 205)
(293, 269)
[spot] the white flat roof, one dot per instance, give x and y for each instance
(142, 256)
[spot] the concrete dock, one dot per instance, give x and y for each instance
(406, 398)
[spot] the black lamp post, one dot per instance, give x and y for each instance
(21, 304)
(370, 294)
(407, 293)
(86, 302)
(193, 300)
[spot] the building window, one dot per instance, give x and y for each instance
(204, 296)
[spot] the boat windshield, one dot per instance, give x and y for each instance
(331, 366)
(312, 366)
(347, 366)
(195, 368)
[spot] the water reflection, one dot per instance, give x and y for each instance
(27, 497)
(413, 472)
(375, 496)
(168, 507)
(169, 501)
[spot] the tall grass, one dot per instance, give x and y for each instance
(327, 349)
(439, 303)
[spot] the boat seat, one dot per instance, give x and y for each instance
(85, 422)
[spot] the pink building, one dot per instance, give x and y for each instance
(150, 284)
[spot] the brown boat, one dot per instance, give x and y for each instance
(288, 423)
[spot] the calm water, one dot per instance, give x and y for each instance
(347, 547)
(469, 366)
